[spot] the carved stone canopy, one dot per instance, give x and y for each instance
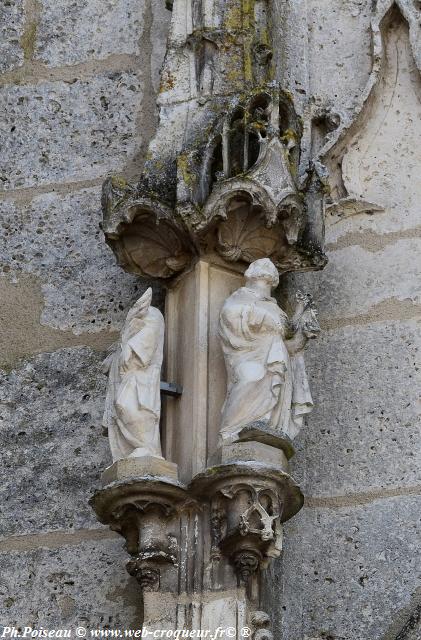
(233, 193)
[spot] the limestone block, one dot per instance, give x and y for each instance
(348, 572)
(53, 447)
(65, 587)
(225, 612)
(68, 131)
(158, 38)
(11, 31)
(77, 31)
(339, 43)
(138, 467)
(364, 432)
(56, 237)
(357, 279)
(245, 451)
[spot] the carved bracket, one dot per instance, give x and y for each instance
(249, 502)
(145, 512)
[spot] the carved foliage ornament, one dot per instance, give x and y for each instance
(247, 525)
(248, 504)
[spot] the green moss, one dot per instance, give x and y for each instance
(248, 61)
(233, 19)
(28, 39)
(289, 136)
(183, 165)
(119, 182)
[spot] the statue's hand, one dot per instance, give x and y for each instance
(304, 320)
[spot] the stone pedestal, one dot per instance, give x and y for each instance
(248, 502)
(144, 509)
(250, 451)
(145, 467)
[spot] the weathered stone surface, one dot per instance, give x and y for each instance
(364, 432)
(67, 131)
(59, 588)
(357, 279)
(11, 31)
(245, 451)
(349, 571)
(57, 238)
(82, 30)
(159, 19)
(339, 42)
(52, 443)
(21, 334)
(381, 163)
(138, 467)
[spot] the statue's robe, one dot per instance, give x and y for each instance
(264, 381)
(133, 403)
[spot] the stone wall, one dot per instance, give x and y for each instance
(78, 84)
(350, 567)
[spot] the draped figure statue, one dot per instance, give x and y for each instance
(133, 403)
(263, 353)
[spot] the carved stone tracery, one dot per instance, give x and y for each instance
(239, 185)
(248, 503)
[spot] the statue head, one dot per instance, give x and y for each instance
(141, 307)
(263, 270)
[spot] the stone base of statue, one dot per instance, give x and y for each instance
(248, 502)
(141, 498)
(250, 451)
(259, 431)
(145, 466)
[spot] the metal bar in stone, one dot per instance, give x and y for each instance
(171, 389)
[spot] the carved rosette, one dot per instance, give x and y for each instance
(249, 502)
(145, 512)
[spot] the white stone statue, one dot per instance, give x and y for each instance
(263, 353)
(133, 403)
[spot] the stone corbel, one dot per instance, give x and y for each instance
(145, 511)
(249, 501)
(143, 233)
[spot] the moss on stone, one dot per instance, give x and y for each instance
(28, 40)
